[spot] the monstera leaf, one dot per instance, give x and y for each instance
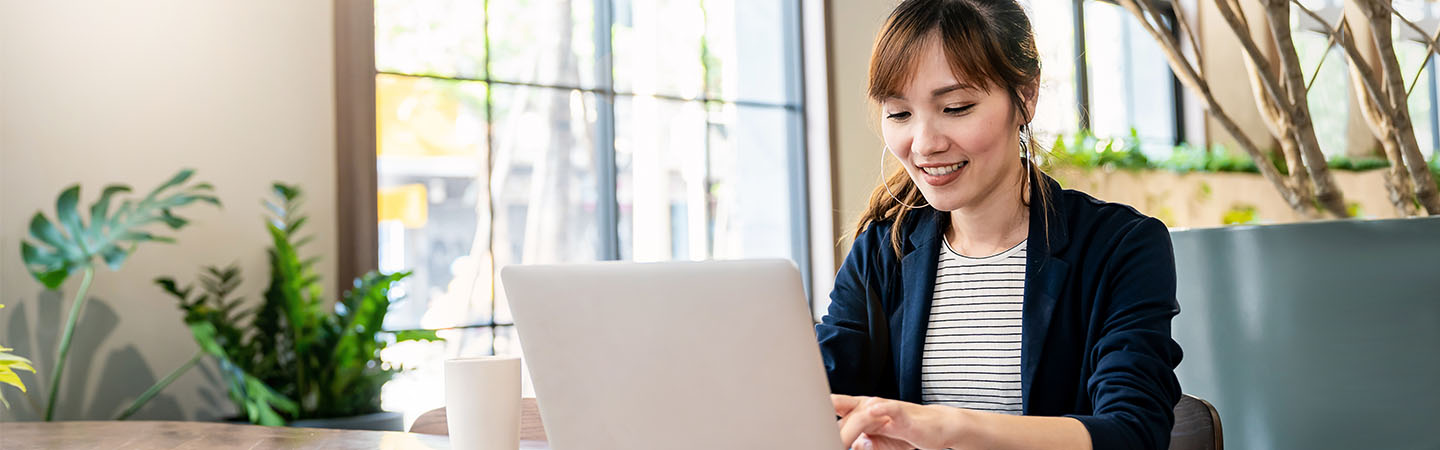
(75, 243)
(71, 243)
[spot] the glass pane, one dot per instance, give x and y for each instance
(1103, 28)
(746, 42)
(420, 386)
(750, 172)
(545, 181)
(431, 162)
(662, 189)
(1131, 89)
(1329, 95)
(1410, 55)
(430, 37)
(657, 47)
(550, 42)
(1422, 112)
(1055, 39)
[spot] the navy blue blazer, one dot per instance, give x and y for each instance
(1095, 329)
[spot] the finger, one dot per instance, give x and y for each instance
(885, 443)
(844, 403)
(858, 422)
(863, 443)
(849, 405)
(897, 418)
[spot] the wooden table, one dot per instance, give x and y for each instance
(208, 435)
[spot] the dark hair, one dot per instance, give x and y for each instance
(987, 41)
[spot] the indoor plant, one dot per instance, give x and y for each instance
(55, 252)
(293, 357)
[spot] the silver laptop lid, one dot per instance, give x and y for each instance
(694, 355)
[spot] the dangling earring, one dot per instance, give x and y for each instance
(886, 183)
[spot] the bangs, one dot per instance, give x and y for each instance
(972, 55)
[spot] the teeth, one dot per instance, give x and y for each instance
(944, 170)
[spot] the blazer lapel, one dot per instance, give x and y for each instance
(917, 274)
(1045, 276)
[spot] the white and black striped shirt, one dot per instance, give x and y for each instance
(971, 357)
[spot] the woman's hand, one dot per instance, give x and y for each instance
(871, 423)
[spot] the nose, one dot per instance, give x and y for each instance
(928, 140)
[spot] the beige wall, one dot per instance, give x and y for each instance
(103, 91)
(854, 137)
(4, 226)
(1197, 200)
(1222, 54)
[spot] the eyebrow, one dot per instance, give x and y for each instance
(938, 91)
(950, 88)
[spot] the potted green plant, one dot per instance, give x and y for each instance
(294, 359)
(54, 252)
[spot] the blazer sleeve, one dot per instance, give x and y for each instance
(1133, 388)
(853, 335)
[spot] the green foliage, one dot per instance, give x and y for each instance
(1358, 164)
(1435, 166)
(216, 324)
(290, 358)
(111, 237)
(74, 246)
(1083, 150)
(1240, 214)
(9, 363)
(1353, 209)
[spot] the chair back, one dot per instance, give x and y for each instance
(1197, 426)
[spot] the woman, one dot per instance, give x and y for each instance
(977, 290)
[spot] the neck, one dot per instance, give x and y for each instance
(999, 221)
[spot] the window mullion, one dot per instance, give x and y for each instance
(608, 204)
(489, 170)
(799, 172)
(1082, 75)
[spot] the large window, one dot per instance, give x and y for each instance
(1102, 73)
(1056, 113)
(557, 131)
(1130, 85)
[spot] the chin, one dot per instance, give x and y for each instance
(947, 204)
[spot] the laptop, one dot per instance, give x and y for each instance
(693, 355)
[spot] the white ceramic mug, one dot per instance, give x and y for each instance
(482, 402)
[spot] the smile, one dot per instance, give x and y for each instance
(944, 170)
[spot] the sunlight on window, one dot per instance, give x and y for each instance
(494, 127)
(1329, 94)
(663, 181)
(1131, 87)
(1055, 39)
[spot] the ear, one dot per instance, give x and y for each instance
(1029, 93)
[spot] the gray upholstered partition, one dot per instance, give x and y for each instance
(1317, 336)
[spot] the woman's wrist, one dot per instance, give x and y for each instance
(964, 429)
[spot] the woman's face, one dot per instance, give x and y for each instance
(959, 141)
